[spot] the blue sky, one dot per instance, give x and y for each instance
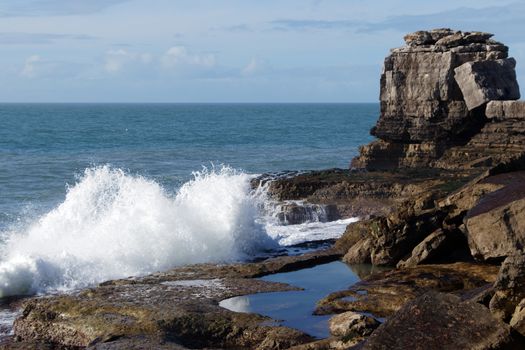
(223, 50)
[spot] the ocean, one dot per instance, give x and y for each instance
(90, 192)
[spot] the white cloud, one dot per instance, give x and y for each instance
(179, 56)
(251, 67)
(30, 66)
(116, 60)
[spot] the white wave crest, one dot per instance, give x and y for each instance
(113, 225)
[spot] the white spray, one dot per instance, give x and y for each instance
(114, 225)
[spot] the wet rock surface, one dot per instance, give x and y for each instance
(176, 309)
(384, 293)
(356, 193)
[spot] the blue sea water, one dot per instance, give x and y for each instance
(90, 192)
(43, 147)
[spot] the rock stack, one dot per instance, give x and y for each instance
(434, 94)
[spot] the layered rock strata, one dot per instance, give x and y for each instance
(424, 112)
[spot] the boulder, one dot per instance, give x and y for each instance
(397, 235)
(359, 253)
(352, 325)
(517, 321)
(496, 225)
(441, 321)
(509, 289)
(484, 81)
(505, 110)
(426, 250)
(421, 37)
(463, 38)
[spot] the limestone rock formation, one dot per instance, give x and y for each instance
(484, 81)
(442, 321)
(353, 327)
(517, 321)
(427, 249)
(509, 291)
(495, 226)
(384, 293)
(506, 110)
(426, 119)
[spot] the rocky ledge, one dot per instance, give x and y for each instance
(177, 309)
(441, 195)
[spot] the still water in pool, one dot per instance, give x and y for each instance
(295, 309)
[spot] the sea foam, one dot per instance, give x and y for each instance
(113, 225)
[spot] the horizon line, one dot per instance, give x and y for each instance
(145, 102)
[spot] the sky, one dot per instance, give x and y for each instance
(223, 50)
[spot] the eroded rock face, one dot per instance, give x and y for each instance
(420, 100)
(427, 121)
(509, 291)
(502, 110)
(495, 226)
(517, 321)
(425, 250)
(442, 321)
(484, 81)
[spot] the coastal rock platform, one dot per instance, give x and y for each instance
(440, 195)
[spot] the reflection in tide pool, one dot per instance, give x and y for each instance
(294, 309)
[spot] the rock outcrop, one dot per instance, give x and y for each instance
(509, 288)
(442, 321)
(425, 113)
(384, 293)
(352, 327)
(484, 81)
(496, 226)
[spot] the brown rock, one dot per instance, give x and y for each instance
(441, 33)
(352, 325)
(426, 250)
(424, 120)
(360, 252)
(384, 293)
(421, 37)
(517, 321)
(420, 100)
(484, 81)
(441, 321)
(505, 110)
(496, 225)
(395, 237)
(176, 309)
(509, 287)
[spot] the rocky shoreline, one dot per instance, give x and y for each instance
(441, 194)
